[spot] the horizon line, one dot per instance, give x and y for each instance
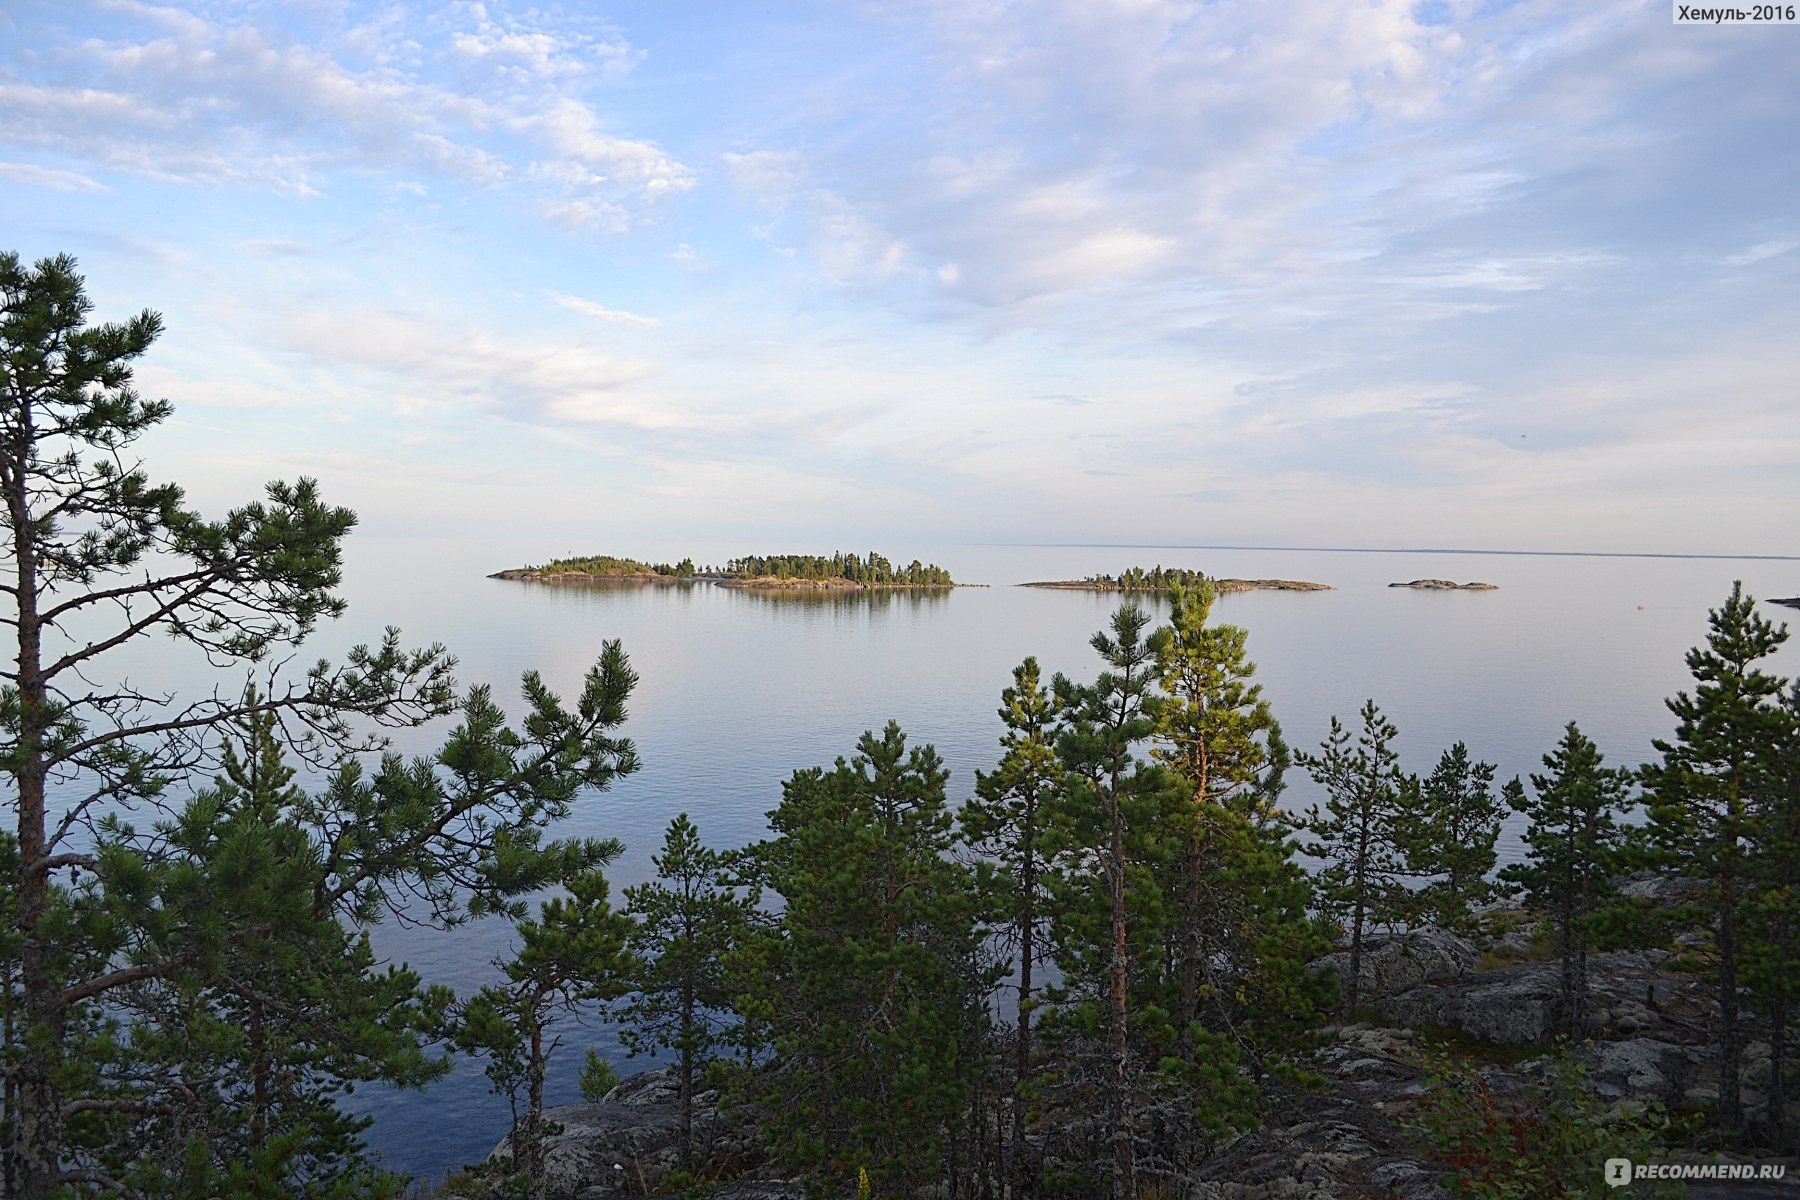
(1399, 550)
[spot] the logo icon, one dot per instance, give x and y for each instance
(1618, 1172)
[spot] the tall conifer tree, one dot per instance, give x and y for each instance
(687, 922)
(1113, 801)
(1450, 829)
(1705, 795)
(1006, 826)
(1358, 832)
(1575, 849)
(868, 992)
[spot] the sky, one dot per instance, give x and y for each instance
(809, 275)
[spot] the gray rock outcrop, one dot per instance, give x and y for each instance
(632, 1138)
(1406, 961)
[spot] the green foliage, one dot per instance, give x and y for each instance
(1709, 796)
(1772, 917)
(1448, 829)
(598, 1077)
(869, 994)
(1243, 935)
(1358, 832)
(1546, 1139)
(1154, 579)
(686, 925)
(265, 1010)
(1005, 825)
(1115, 842)
(1574, 850)
(104, 965)
(607, 566)
(874, 569)
(575, 952)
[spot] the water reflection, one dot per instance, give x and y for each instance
(845, 599)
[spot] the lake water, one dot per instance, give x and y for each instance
(739, 689)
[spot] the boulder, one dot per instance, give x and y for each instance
(1405, 961)
(631, 1138)
(1641, 1069)
(1629, 991)
(1514, 1006)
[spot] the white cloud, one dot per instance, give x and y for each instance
(599, 312)
(47, 177)
(232, 102)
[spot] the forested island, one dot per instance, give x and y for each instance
(840, 570)
(1160, 579)
(1107, 972)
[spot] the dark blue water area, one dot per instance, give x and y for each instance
(739, 689)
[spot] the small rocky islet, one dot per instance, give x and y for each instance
(1446, 585)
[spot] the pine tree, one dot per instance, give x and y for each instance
(1005, 825)
(1575, 849)
(573, 953)
(1772, 924)
(686, 924)
(233, 1058)
(1213, 727)
(1450, 828)
(1358, 832)
(1112, 798)
(89, 539)
(104, 919)
(1705, 794)
(1244, 932)
(869, 989)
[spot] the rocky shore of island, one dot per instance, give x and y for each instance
(1447, 585)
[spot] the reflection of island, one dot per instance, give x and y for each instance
(1446, 585)
(1160, 578)
(802, 573)
(841, 598)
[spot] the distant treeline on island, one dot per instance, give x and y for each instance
(772, 570)
(1160, 578)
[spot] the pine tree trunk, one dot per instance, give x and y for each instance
(1730, 1108)
(531, 1153)
(35, 1146)
(1777, 1099)
(1124, 1184)
(1015, 1165)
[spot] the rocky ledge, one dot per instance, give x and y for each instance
(1650, 1041)
(628, 1143)
(1447, 585)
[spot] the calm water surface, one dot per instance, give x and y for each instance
(739, 689)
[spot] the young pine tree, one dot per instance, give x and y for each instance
(1575, 849)
(1705, 795)
(1005, 825)
(687, 922)
(1111, 818)
(868, 990)
(1450, 827)
(1358, 832)
(1773, 920)
(1242, 933)
(572, 954)
(223, 1074)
